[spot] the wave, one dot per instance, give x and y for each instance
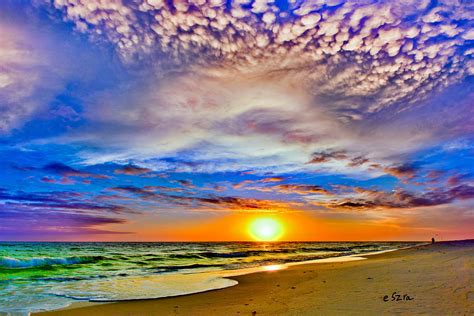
(257, 253)
(13, 263)
(173, 268)
(186, 256)
(75, 278)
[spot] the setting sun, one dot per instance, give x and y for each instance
(266, 229)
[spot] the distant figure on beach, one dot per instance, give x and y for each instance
(432, 240)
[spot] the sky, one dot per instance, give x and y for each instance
(152, 120)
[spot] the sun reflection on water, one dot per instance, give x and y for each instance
(274, 267)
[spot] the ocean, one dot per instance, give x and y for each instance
(38, 276)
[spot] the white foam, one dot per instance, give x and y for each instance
(9, 262)
(141, 287)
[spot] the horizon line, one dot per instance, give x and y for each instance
(235, 241)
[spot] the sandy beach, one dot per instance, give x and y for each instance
(433, 279)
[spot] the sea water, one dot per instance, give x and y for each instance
(38, 276)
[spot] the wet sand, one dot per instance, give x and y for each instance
(433, 280)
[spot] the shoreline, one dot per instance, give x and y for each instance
(231, 275)
(348, 258)
(336, 264)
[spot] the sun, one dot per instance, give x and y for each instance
(266, 229)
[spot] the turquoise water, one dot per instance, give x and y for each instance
(45, 276)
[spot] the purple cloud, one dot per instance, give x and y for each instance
(132, 170)
(366, 199)
(66, 171)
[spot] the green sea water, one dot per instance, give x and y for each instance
(45, 276)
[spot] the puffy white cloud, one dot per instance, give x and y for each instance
(265, 85)
(413, 48)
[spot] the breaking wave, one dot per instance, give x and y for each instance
(13, 263)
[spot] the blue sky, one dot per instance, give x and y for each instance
(118, 115)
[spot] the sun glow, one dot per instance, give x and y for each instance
(266, 229)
